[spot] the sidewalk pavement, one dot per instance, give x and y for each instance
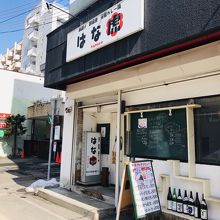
(4, 161)
(80, 203)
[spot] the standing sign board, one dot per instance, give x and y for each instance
(90, 165)
(93, 154)
(143, 189)
(119, 21)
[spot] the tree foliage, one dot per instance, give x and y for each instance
(15, 127)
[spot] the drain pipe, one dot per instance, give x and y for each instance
(117, 173)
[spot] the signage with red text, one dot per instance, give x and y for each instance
(4, 115)
(143, 187)
(3, 125)
(119, 21)
(93, 153)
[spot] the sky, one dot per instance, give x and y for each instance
(12, 16)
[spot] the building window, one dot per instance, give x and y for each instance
(207, 130)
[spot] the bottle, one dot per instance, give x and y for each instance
(197, 207)
(204, 209)
(179, 202)
(191, 206)
(174, 198)
(169, 200)
(185, 203)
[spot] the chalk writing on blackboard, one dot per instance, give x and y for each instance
(164, 137)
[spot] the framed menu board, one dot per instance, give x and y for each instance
(143, 187)
(159, 135)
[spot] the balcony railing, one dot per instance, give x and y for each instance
(8, 62)
(2, 60)
(32, 52)
(10, 55)
(33, 36)
(17, 48)
(17, 65)
(34, 19)
(31, 69)
(17, 57)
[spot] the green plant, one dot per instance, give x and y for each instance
(15, 128)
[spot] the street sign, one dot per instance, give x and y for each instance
(4, 115)
(3, 125)
(2, 133)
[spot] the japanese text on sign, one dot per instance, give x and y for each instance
(116, 23)
(93, 154)
(144, 188)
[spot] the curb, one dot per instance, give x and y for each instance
(87, 211)
(9, 165)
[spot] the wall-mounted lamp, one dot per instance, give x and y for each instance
(141, 114)
(170, 112)
(68, 109)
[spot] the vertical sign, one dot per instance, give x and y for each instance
(57, 132)
(144, 190)
(119, 21)
(93, 153)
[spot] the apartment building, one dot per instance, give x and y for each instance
(11, 60)
(38, 24)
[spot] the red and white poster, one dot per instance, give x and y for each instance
(119, 21)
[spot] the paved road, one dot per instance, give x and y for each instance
(16, 204)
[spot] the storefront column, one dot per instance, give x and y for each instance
(66, 174)
(117, 173)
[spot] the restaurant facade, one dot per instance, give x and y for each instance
(142, 80)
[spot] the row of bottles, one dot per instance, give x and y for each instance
(187, 205)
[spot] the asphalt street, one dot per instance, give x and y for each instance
(16, 204)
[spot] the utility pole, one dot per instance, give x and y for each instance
(53, 111)
(117, 174)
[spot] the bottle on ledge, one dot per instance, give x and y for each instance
(191, 205)
(204, 209)
(169, 200)
(185, 203)
(197, 206)
(179, 202)
(174, 198)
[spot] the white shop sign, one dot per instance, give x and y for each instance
(93, 153)
(119, 21)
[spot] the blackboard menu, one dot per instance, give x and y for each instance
(159, 135)
(143, 187)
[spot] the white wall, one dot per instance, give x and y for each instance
(17, 92)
